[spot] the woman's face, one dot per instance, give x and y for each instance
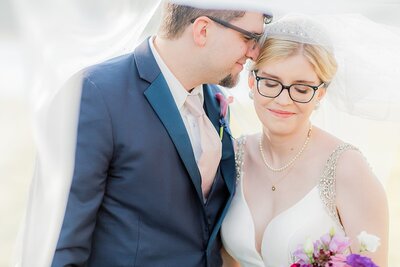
(282, 115)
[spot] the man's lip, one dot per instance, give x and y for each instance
(241, 65)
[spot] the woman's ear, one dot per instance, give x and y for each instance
(321, 93)
(251, 80)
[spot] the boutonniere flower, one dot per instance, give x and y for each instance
(223, 104)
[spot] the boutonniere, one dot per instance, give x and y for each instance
(223, 109)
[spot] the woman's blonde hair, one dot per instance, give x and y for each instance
(322, 60)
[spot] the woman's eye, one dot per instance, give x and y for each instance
(271, 84)
(302, 89)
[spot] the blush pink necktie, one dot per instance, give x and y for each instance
(211, 147)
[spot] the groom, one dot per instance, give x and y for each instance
(152, 178)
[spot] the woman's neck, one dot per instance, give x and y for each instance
(281, 148)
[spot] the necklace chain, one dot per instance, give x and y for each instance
(290, 163)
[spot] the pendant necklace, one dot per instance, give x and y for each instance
(287, 165)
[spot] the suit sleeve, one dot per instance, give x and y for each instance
(93, 155)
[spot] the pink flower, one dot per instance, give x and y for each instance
(339, 260)
(326, 240)
(339, 244)
(223, 103)
(317, 248)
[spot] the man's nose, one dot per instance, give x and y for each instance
(253, 51)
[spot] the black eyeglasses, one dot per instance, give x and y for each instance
(250, 36)
(301, 93)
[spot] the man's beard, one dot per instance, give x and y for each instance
(229, 81)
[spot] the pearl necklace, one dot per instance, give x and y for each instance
(290, 163)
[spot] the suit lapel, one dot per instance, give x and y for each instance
(160, 98)
(227, 164)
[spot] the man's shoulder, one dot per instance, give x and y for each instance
(119, 64)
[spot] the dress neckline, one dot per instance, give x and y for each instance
(274, 219)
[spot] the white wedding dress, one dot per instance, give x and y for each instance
(311, 217)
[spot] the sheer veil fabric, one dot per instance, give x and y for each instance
(361, 104)
(62, 37)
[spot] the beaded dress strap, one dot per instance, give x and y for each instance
(327, 183)
(239, 156)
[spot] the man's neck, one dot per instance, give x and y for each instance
(179, 61)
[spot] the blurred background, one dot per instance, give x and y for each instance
(55, 38)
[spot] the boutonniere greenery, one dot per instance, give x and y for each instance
(223, 104)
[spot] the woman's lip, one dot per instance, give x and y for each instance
(281, 113)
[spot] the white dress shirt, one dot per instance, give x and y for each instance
(179, 93)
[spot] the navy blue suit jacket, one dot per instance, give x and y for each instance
(135, 197)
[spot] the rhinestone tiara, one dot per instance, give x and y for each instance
(299, 28)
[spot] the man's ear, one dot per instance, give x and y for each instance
(200, 30)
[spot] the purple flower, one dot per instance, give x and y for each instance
(301, 256)
(356, 260)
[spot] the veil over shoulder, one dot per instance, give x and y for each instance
(63, 37)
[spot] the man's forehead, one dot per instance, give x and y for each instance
(260, 6)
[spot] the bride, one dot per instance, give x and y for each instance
(296, 181)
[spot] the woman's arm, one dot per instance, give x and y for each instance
(227, 259)
(362, 203)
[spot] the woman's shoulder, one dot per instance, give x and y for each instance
(246, 141)
(343, 158)
(347, 156)
(347, 161)
(352, 167)
(247, 149)
(334, 147)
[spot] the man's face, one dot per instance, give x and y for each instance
(234, 48)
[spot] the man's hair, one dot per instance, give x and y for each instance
(177, 17)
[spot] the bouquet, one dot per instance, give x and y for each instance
(330, 251)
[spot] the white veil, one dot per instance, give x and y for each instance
(362, 102)
(62, 37)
